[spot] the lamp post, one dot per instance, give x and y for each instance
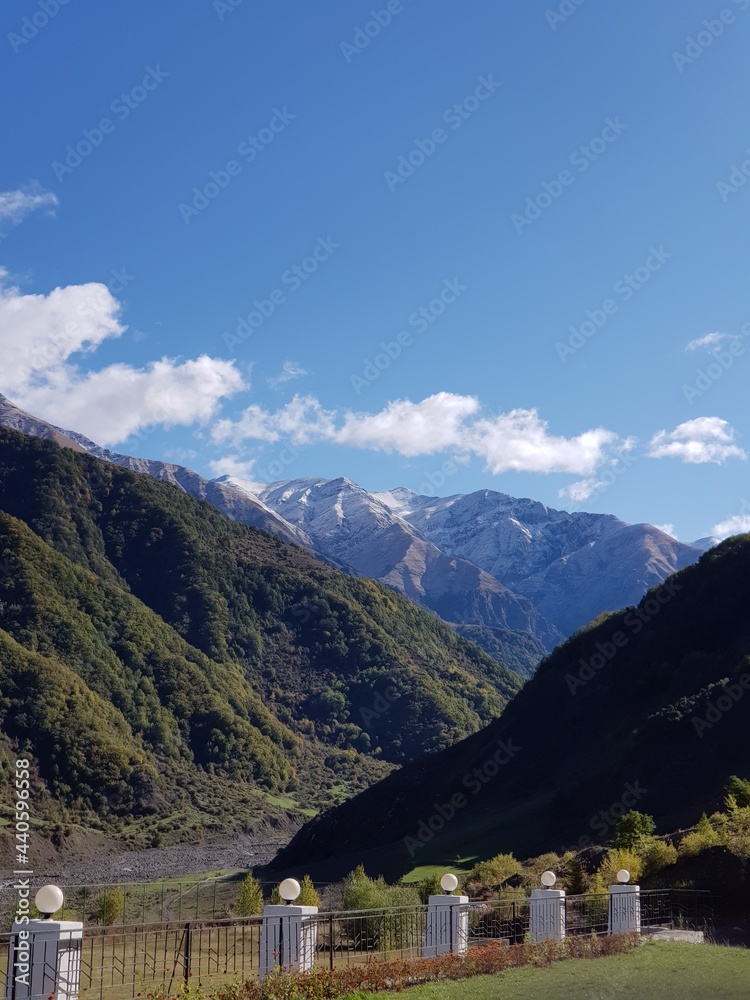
(447, 921)
(288, 932)
(49, 900)
(289, 890)
(624, 905)
(45, 954)
(547, 910)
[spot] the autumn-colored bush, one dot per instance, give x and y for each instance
(335, 984)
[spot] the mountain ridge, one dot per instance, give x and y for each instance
(656, 694)
(521, 575)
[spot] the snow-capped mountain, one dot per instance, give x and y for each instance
(513, 574)
(570, 566)
(360, 531)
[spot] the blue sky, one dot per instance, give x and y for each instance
(173, 171)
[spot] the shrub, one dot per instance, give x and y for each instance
(308, 896)
(490, 875)
(574, 877)
(703, 837)
(533, 868)
(615, 859)
(656, 854)
(109, 906)
(335, 984)
(250, 897)
(384, 930)
(739, 790)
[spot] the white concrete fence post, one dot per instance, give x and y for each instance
(447, 926)
(288, 934)
(44, 956)
(624, 906)
(547, 911)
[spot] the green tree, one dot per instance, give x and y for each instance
(614, 860)
(703, 837)
(109, 906)
(656, 854)
(533, 868)
(250, 897)
(574, 877)
(308, 896)
(739, 790)
(632, 828)
(488, 875)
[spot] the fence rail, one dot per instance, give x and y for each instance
(166, 901)
(122, 962)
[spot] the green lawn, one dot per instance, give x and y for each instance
(661, 971)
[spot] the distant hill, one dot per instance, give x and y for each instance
(168, 669)
(652, 701)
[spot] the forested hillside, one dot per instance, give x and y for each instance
(159, 659)
(651, 702)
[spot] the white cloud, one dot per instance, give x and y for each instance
(290, 370)
(582, 490)
(40, 334)
(233, 465)
(110, 405)
(711, 342)
(668, 529)
(518, 440)
(704, 439)
(302, 421)
(14, 205)
(410, 429)
(737, 525)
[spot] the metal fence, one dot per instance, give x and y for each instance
(166, 901)
(122, 962)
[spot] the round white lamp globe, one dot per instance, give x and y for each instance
(449, 882)
(289, 889)
(48, 900)
(623, 876)
(548, 879)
